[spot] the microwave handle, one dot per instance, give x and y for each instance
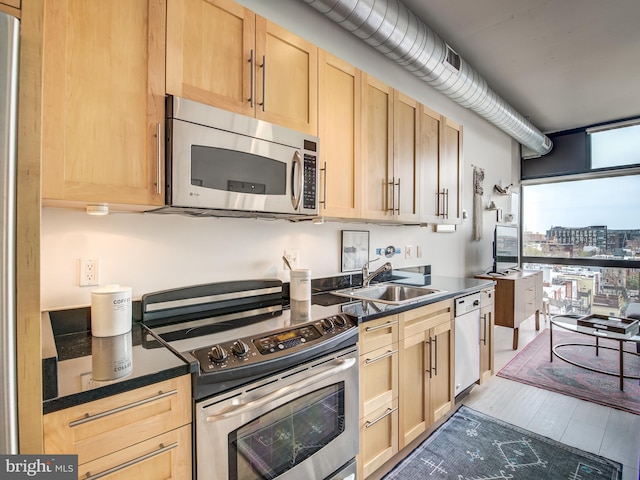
(296, 187)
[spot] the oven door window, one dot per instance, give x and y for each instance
(280, 439)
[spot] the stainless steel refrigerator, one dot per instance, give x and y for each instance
(9, 44)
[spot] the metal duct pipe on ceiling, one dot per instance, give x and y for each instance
(394, 30)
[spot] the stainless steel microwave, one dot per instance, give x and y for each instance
(220, 163)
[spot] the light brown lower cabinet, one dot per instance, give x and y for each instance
(378, 343)
(406, 380)
(426, 390)
(486, 334)
(143, 433)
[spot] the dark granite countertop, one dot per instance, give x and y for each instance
(452, 287)
(69, 378)
(83, 359)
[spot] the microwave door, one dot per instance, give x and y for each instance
(216, 169)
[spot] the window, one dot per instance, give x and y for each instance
(584, 231)
(615, 147)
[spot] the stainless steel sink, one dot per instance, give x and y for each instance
(390, 293)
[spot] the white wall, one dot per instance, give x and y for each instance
(154, 252)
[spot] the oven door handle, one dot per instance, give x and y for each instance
(237, 409)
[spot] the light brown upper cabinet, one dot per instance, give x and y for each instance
(12, 7)
(339, 130)
(103, 101)
(222, 54)
(390, 126)
(450, 174)
(441, 178)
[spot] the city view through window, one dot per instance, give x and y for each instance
(596, 221)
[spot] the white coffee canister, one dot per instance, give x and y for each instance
(300, 286)
(110, 310)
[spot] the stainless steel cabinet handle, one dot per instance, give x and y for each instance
(385, 414)
(430, 370)
(378, 327)
(435, 366)
(239, 408)
(484, 328)
(90, 418)
(158, 158)
(264, 81)
(252, 62)
(446, 203)
(380, 357)
(392, 183)
(122, 466)
(398, 209)
(324, 187)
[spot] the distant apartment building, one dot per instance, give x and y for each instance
(593, 236)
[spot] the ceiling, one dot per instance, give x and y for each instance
(562, 64)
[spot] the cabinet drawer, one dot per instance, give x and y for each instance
(378, 438)
(95, 429)
(378, 378)
(486, 298)
(166, 456)
(378, 333)
(420, 319)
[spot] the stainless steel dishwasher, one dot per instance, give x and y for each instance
(467, 342)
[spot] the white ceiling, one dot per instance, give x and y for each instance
(561, 63)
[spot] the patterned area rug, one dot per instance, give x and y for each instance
(532, 366)
(474, 446)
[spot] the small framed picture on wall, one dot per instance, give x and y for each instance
(355, 249)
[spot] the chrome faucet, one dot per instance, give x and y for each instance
(367, 277)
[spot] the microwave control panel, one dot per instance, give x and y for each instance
(310, 181)
(310, 169)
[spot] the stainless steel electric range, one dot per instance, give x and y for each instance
(275, 389)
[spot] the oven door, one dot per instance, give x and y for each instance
(216, 169)
(300, 424)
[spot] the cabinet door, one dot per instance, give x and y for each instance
(13, 4)
(378, 438)
(379, 333)
(430, 148)
(413, 392)
(166, 456)
(486, 341)
(377, 150)
(339, 128)
(405, 175)
(210, 47)
(286, 78)
(103, 101)
(378, 378)
(450, 178)
(94, 429)
(441, 383)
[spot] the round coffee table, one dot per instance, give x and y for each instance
(570, 323)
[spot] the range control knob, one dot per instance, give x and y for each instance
(239, 348)
(327, 323)
(217, 354)
(340, 321)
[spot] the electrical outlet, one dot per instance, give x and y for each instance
(89, 272)
(293, 257)
(408, 251)
(418, 251)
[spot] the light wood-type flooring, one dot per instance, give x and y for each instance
(594, 428)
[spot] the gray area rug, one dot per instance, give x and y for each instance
(474, 446)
